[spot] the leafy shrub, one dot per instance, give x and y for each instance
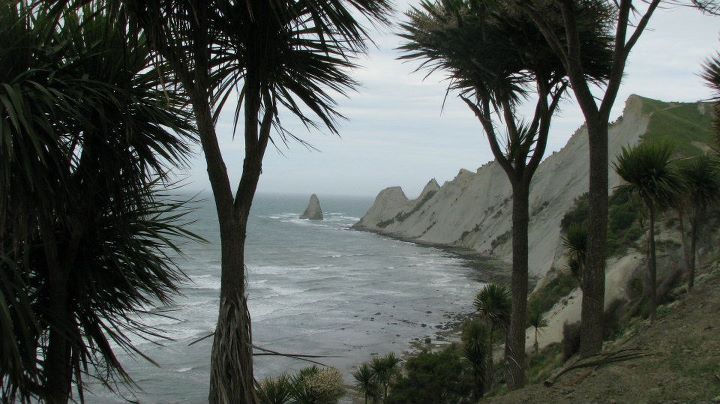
(571, 340)
(611, 319)
(366, 382)
(623, 220)
(318, 386)
(433, 377)
(309, 386)
(542, 365)
(475, 337)
(549, 294)
(385, 369)
(275, 391)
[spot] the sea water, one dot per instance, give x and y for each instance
(315, 288)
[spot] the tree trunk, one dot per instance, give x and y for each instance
(593, 300)
(479, 389)
(231, 368)
(515, 346)
(57, 364)
(694, 223)
(652, 269)
(231, 377)
(490, 361)
(685, 246)
(536, 346)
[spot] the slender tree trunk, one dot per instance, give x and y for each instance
(231, 379)
(490, 361)
(515, 346)
(479, 390)
(58, 370)
(685, 246)
(231, 368)
(57, 362)
(537, 347)
(593, 300)
(694, 223)
(652, 269)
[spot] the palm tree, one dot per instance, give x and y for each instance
(366, 381)
(701, 177)
(648, 173)
(88, 135)
(385, 370)
(536, 320)
(475, 347)
(575, 241)
(274, 55)
(494, 59)
(711, 75)
(614, 20)
(493, 304)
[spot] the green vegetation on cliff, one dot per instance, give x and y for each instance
(686, 126)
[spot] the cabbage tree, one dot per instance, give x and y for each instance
(625, 21)
(495, 59)
(701, 178)
(87, 134)
(259, 58)
(648, 173)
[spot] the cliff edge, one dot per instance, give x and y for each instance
(474, 209)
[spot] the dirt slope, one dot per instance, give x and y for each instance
(683, 366)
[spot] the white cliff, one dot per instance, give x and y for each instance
(474, 209)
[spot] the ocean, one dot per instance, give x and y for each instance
(316, 288)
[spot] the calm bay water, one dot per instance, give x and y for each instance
(314, 288)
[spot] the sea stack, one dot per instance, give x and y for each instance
(313, 210)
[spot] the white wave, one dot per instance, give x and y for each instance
(278, 270)
(204, 282)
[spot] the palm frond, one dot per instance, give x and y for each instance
(87, 133)
(648, 172)
(493, 303)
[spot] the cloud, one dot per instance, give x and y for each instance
(399, 134)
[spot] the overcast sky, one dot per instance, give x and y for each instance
(398, 134)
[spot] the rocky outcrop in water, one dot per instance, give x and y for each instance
(313, 210)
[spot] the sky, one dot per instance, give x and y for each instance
(397, 131)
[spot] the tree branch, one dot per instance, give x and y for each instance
(573, 64)
(483, 114)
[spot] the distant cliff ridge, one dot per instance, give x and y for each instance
(474, 209)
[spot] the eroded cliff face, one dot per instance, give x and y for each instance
(474, 209)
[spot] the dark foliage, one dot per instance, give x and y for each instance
(432, 378)
(87, 134)
(624, 216)
(571, 340)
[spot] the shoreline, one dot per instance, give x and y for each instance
(484, 269)
(487, 269)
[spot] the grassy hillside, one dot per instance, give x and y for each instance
(682, 124)
(688, 126)
(682, 362)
